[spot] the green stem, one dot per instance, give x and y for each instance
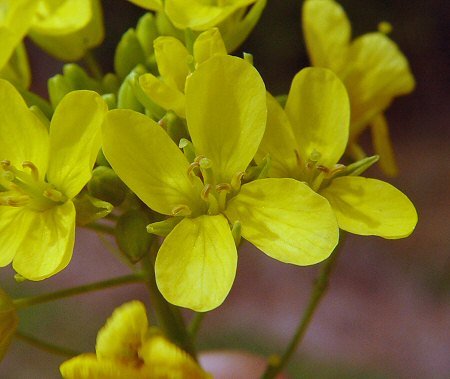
(59, 350)
(93, 65)
(277, 363)
(26, 302)
(101, 228)
(168, 316)
(195, 324)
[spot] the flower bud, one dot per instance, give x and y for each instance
(129, 54)
(106, 185)
(131, 234)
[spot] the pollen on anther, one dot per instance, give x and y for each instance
(34, 170)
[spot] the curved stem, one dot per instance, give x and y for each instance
(168, 316)
(36, 342)
(277, 363)
(26, 302)
(101, 228)
(195, 324)
(93, 65)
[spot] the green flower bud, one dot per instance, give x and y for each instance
(131, 234)
(106, 185)
(129, 53)
(146, 32)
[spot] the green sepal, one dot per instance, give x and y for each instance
(101, 159)
(260, 171)
(359, 167)
(106, 185)
(163, 228)
(110, 100)
(90, 209)
(131, 235)
(236, 232)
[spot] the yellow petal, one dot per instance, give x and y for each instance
(152, 5)
(17, 70)
(16, 17)
(226, 113)
(75, 140)
(49, 244)
(383, 145)
(319, 111)
(86, 366)
(8, 322)
(208, 44)
(66, 29)
(163, 359)
(371, 207)
(22, 136)
(14, 225)
(327, 33)
(377, 72)
(167, 97)
(278, 141)
(148, 161)
(285, 219)
(198, 15)
(123, 333)
(196, 264)
(172, 58)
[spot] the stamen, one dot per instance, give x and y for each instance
(34, 170)
(236, 181)
(205, 192)
(206, 169)
(192, 167)
(6, 164)
(181, 210)
(54, 195)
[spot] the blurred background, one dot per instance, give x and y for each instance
(387, 311)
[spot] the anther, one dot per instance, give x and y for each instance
(6, 164)
(236, 180)
(181, 210)
(34, 170)
(205, 192)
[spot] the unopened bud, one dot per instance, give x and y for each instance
(106, 185)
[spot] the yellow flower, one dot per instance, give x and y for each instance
(371, 66)
(127, 348)
(226, 115)
(234, 18)
(175, 63)
(306, 141)
(40, 172)
(64, 28)
(8, 322)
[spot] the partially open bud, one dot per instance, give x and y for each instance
(132, 236)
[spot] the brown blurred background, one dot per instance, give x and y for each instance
(387, 312)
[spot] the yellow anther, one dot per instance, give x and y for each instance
(192, 167)
(6, 164)
(181, 210)
(34, 170)
(236, 180)
(224, 187)
(205, 192)
(54, 195)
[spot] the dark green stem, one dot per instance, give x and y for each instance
(36, 342)
(168, 316)
(195, 324)
(26, 302)
(93, 65)
(277, 363)
(101, 228)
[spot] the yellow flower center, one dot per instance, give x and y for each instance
(214, 194)
(317, 176)
(24, 188)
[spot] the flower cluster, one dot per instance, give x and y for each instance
(189, 145)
